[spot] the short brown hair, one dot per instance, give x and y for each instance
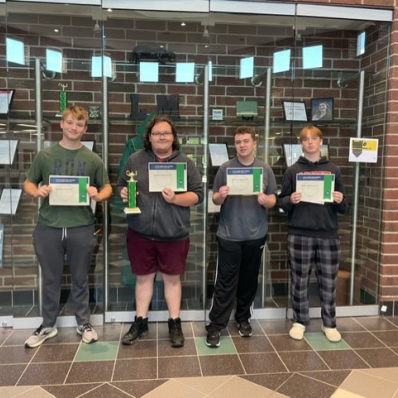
(246, 130)
(155, 120)
(76, 112)
(313, 130)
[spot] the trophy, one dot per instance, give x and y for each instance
(131, 194)
(62, 98)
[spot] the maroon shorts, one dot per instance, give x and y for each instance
(148, 256)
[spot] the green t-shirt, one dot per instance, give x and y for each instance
(57, 160)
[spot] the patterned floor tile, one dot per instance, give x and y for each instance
(226, 346)
(99, 351)
(319, 342)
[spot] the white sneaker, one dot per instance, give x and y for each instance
(40, 335)
(332, 334)
(297, 331)
(89, 335)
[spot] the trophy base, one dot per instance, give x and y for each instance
(132, 210)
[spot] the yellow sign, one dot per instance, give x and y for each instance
(363, 150)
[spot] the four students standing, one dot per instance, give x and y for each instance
(158, 238)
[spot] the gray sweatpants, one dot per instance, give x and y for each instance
(51, 245)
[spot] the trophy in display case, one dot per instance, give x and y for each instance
(62, 99)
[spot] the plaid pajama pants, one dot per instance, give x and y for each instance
(303, 251)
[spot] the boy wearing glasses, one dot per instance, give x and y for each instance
(158, 238)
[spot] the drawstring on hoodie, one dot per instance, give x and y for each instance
(64, 233)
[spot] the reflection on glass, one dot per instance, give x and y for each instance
(281, 61)
(312, 57)
(15, 51)
(361, 43)
(96, 65)
(54, 60)
(246, 67)
(185, 72)
(149, 72)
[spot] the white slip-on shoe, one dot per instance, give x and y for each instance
(332, 334)
(297, 331)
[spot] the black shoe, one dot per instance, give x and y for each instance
(175, 333)
(138, 329)
(245, 330)
(213, 338)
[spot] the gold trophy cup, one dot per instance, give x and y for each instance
(131, 194)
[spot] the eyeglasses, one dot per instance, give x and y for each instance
(158, 134)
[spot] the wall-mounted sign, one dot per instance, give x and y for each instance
(363, 150)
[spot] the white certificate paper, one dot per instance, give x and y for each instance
(7, 151)
(69, 191)
(218, 153)
(167, 175)
(244, 180)
(9, 200)
(315, 187)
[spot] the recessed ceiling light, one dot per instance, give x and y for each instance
(56, 30)
(183, 23)
(109, 10)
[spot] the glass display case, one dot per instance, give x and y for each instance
(211, 66)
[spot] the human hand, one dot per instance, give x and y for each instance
(337, 196)
(124, 194)
(42, 191)
(295, 197)
(223, 191)
(168, 195)
(262, 198)
(93, 193)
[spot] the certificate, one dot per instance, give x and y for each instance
(6, 97)
(315, 187)
(9, 200)
(211, 207)
(69, 191)
(244, 180)
(167, 175)
(7, 151)
(218, 153)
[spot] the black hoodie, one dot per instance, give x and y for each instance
(311, 219)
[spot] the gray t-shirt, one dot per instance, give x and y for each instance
(242, 217)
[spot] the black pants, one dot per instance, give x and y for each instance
(237, 271)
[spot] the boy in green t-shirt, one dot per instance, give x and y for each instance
(66, 227)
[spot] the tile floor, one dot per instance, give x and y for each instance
(269, 364)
